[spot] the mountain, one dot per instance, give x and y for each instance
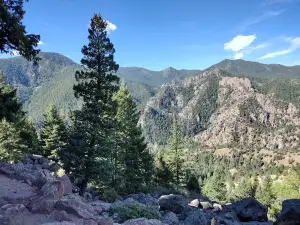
(52, 80)
(220, 110)
(257, 69)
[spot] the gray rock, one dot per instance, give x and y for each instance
(66, 184)
(196, 217)
(104, 205)
(290, 213)
(170, 218)
(42, 204)
(60, 223)
(53, 189)
(142, 221)
(249, 209)
(173, 203)
(73, 204)
(145, 199)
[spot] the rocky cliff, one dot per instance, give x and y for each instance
(217, 108)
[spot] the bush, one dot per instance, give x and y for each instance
(110, 195)
(133, 211)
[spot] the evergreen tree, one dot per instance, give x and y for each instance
(214, 187)
(264, 192)
(163, 176)
(54, 137)
(11, 147)
(174, 153)
(29, 136)
(10, 108)
(95, 86)
(13, 36)
(134, 159)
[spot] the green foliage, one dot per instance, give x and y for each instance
(133, 211)
(163, 176)
(264, 192)
(173, 154)
(53, 135)
(11, 146)
(214, 186)
(90, 144)
(13, 36)
(193, 184)
(246, 188)
(110, 195)
(10, 108)
(133, 163)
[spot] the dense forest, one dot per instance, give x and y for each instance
(103, 142)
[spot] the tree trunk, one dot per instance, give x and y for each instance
(83, 187)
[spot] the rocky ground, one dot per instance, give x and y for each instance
(32, 194)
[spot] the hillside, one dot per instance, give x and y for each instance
(256, 69)
(219, 110)
(52, 80)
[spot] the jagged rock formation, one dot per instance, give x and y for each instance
(217, 109)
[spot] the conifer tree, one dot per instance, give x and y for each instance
(95, 86)
(163, 176)
(11, 146)
(214, 186)
(54, 137)
(135, 160)
(173, 156)
(13, 36)
(10, 108)
(264, 192)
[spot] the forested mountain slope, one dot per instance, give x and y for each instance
(52, 80)
(256, 69)
(218, 109)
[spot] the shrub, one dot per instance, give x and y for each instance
(133, 211)
(110, 195)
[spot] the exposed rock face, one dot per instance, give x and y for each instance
(196, 217)
(173, 203)
(217, 109)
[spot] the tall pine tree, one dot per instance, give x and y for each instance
(134, 160)
(174, 154)
(11, 146)
(93, 123)
(54, 136)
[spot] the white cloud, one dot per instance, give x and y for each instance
(110, 27)
(273, 2)
(294, 45)
(41, 43)
(238, 55)
(239, 42)
(15, 53)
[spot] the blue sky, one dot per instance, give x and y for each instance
(189, 34)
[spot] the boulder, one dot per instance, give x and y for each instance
(11, 210)
(105, 221)
(196, 217)
(249, 209)
(66, 184)
(53, 189)
(206, 205)
(42, 204)
(145, 199)
(60, 223)
(170, 218)
(290, 213)
(73, 204)
(142, 221)
(105, 206)
(61, 215)
(195, 203)
(173, 203)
